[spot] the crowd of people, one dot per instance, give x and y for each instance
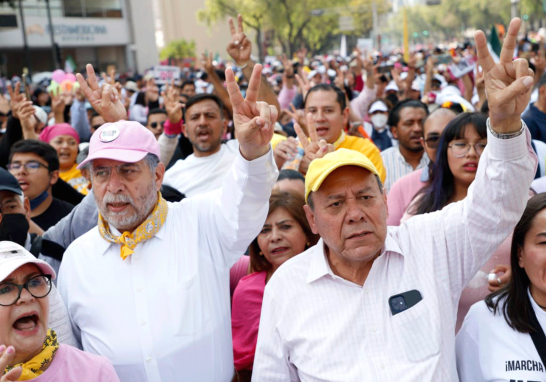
(311, 219)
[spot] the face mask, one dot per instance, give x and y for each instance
(14, 227)
(379, 121)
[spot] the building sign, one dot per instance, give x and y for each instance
(68, 32)
(71, 33)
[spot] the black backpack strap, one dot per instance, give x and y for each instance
(538, 336)
(35, 244)
(52, 249)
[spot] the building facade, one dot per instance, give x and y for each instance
(100, 32)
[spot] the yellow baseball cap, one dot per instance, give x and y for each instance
(319, 169)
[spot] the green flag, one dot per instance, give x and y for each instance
(494, 41)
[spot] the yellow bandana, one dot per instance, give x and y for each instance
(145, 231)
(36, 366)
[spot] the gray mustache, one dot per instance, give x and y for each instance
(119, 198)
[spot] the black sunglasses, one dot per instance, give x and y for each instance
(154, 125)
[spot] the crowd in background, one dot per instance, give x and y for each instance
(421, 120)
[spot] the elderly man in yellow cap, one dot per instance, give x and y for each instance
(377, 304)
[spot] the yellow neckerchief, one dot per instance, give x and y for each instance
(36, 366)
(340, 140)
(145, 231)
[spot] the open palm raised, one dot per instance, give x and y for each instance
(508, 83)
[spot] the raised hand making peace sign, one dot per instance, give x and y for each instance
(105, 100)
(313, 147)
(240, 47)
(254, 121)
(508, 83)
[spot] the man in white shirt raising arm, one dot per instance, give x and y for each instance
(149, 287)
(377, 304)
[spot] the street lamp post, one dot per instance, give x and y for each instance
(25, 43)
(56, 63)
(514, 8)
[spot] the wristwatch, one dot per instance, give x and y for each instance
(506, 136)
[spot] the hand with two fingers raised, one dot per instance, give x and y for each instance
(508, 83)
(254, 121)
(105, 100)
(312, 146)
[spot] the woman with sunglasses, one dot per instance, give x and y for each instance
(65, 141)
(29, 350)
(461, 146)
(502, 338)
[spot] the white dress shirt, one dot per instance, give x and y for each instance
(397, 166)
(196, 175)
(163, 314)
(488, 350)
(316, 326)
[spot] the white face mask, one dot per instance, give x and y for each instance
(379, 121)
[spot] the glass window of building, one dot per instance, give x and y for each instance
(92, 8)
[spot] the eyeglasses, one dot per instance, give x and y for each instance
(154, 125)
(38, 287)
(30, 167)
(127, 171)
(433, 141)
(460, 149)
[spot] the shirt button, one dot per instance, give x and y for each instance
(148, 359)
(142, 322)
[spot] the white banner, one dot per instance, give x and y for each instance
(164, 74)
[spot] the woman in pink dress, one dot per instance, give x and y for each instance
(285, 234)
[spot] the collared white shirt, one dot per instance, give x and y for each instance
(316, 326)
(163, 314)
(396, 165)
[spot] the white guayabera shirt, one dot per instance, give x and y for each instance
(163, 314)
(316, 326)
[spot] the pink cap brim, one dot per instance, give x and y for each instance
(12, 265)
(121, 155)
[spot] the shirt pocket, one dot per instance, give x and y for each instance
(417, 333)
(187, 313)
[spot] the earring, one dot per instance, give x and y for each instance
(261, 253)
(308, 244)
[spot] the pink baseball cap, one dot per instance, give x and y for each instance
(124, 141)
(13, 256)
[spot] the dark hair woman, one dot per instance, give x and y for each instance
(461, 146)
(285, 234)
(502, 338)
